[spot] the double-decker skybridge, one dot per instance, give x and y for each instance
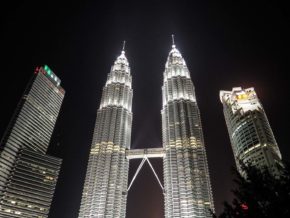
(145, 154)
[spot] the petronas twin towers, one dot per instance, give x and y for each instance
(105, 189)
(187, 189)
(186, 176)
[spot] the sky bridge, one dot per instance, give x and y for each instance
(145, 154)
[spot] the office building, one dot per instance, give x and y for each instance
(27, 174)
(251, 136)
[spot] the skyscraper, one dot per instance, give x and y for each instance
(251, 136)
(27, 174)
(105, 188)
(186, 176)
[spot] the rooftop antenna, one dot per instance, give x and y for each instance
(173, 44)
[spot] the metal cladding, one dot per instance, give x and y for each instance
(105, 188)
(250, 133)
(186, 177)
(27, 174)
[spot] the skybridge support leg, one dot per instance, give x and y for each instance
(137, 171)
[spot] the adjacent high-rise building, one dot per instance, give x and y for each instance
(27, 174)
(186, 175)
(105, 188)
(251, 136)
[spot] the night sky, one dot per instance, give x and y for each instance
(225, 44)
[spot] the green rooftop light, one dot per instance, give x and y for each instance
(50, 73)
(47, 69)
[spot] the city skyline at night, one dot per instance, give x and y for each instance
(225, 45)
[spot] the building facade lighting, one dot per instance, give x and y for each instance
(251, 136)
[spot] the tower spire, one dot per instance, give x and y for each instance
(123, 49)
(173, 43)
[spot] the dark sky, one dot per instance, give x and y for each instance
(225, 44)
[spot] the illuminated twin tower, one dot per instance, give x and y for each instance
(187, 189)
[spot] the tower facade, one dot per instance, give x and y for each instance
(27, 174)
(105, 188)
(251, 136)
(186, 176)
